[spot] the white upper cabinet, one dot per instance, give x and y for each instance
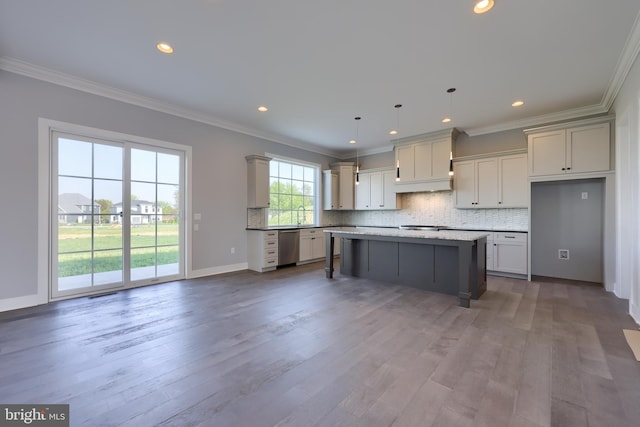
(330, 190)
(491, 182)
(258, 181)
(363, 192)
(376, 190)
(513, 183)
(338, 187)
(569, 150)
(423, 162)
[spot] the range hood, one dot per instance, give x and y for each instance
(425, 187)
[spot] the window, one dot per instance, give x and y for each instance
(293, 193)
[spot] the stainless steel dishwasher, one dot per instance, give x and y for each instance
(288, 247)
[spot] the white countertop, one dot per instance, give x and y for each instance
(420, 234)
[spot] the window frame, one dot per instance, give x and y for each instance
(317, 172)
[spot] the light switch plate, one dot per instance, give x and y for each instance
(197, 217)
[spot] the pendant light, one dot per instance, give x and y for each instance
(450, 163)
(448, 119)
(397, 128)
(354, 141)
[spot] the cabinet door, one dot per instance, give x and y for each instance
(588, 148)
(547, 153)
(258, 183)
(510, 258)
(487, 183)
(306, 248)
(405, 156)
(330, 190)
(377, 191)
(422, 161)
(510, 252)
(317, 247)
(465, 184)
(514, 185)
(390, 197)
(440, 152)
(363, 192)
(346, 188)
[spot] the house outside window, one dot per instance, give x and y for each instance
(293, 193)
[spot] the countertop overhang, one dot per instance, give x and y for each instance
(468, 236)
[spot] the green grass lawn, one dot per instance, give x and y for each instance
(77, 239)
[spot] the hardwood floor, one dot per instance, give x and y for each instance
(291, 348)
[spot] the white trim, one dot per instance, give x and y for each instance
(204, 272)
(565, 115)
(44, 176)
(634, 311)
(62, 79)
(20, 302)
(575, 123)
(625, 62)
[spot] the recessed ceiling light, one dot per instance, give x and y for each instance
(164, 47)
(446, 120)
(262, 109)
(482, 6)
(353, 141)
(393, 132)
(518, 103)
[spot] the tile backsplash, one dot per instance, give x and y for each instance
(419, 209)
(438, 209)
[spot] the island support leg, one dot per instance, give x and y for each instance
(329, 242)
(464, 274)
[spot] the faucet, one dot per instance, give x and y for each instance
(298, 214)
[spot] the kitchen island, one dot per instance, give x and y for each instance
(446, 261)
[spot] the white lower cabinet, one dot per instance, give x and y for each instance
(262, 250)
(507, 252)
(312, 245)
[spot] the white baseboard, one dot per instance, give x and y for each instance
(21, 302)
(194, 274)
(634, 311)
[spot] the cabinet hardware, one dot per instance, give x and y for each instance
(509, 237)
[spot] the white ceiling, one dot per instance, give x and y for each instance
(318, 64)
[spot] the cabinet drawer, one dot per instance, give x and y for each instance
(311, 233)
(271, 262)
(271, 244)
(270, 235)
(510, 237)
(270, 253)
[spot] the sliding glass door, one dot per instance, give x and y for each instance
(115, 215)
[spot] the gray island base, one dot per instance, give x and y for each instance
(446, 261)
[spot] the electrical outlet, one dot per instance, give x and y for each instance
(585, 195)
(196, 227)
(563, 254)
(233, 250)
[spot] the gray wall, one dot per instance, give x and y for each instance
(562, 219)
(219, 171)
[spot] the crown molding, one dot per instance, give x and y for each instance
(560, 116)
(625, 62)
(26, 69)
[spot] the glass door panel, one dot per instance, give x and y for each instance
(155, 201)
(88, 246)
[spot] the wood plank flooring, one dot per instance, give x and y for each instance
(291, 348)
